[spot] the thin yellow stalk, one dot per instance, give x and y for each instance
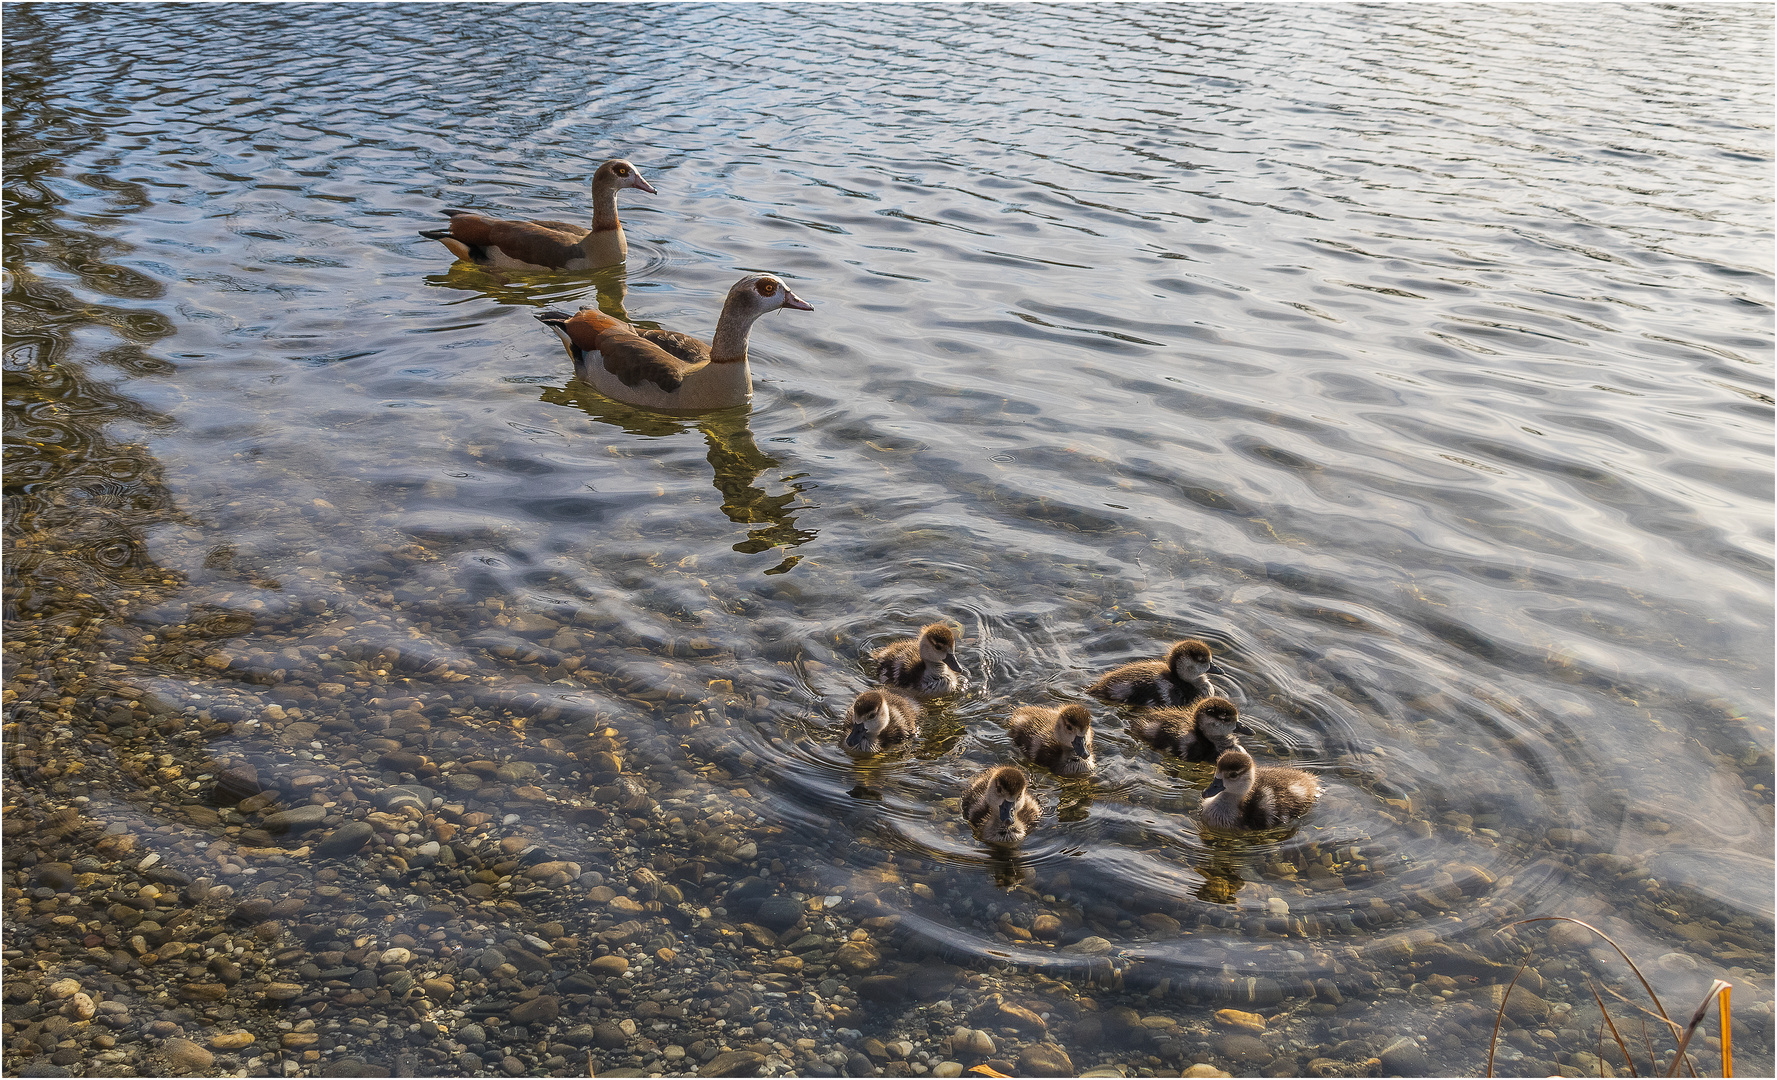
(1715, 989)
(1727, 1042)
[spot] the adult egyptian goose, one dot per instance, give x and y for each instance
(664, 369)
(998, 803)
(547, 245)
(1059, 740)
(1245, 797)
(925, 665)
(879, 720)
(1175, 681)
(1199, 732)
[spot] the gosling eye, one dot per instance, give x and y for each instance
(766, 288)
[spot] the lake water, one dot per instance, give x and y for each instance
(1416, 358)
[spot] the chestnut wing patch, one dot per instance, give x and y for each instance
(635, 360)
(683, 346)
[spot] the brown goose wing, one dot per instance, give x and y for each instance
(683, 346)
(635, 360)
(526, 241)
(567, 228)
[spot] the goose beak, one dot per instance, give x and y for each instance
(857, 733)
(1006, 810)
(950, 662)
(1217, 669)
(1080, 745)
(1215, 788)
(791, 300)
(643, 185)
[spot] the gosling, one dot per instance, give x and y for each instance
(1176, 681)
(1245, 797)
(1059, 740)
(1000, 806)
(878, 720)
(1199, 732)
(925, 665)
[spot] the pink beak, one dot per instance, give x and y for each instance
(791, 300)
(644, 185)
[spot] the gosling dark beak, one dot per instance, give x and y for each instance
(857, 733)
(1217, 669)
(950, 662)
(1080, 745)
(1215, 788)
(1006, 810)
(791, 300)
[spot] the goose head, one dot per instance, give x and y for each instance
(1234, 774)
(1008, 788)
(937, 645)
(1217, 719)
(869, 717)
(617, 173)
(757, 294)
(1189, 660)
(1073, 727)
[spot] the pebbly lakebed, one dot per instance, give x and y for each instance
(380, 700)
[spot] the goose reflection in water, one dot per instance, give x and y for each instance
(538, 289)
(1221, 879)
(1008, 865)
(734, 457)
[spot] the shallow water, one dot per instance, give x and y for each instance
(1419, 360)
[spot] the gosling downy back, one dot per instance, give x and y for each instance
(1175, 681)
(1059, 740)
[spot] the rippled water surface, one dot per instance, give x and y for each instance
(1417, 359)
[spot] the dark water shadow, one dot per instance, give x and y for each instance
(736, 464)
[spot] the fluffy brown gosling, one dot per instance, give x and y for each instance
(879, 720)
(1059, 740)
(1244, 796)
(1199, 732)
(925, 665)
(1175, 681)
(1000, 806)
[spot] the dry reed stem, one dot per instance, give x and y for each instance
(1499, 1018)
(1613, 1032)
(1619, 949)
